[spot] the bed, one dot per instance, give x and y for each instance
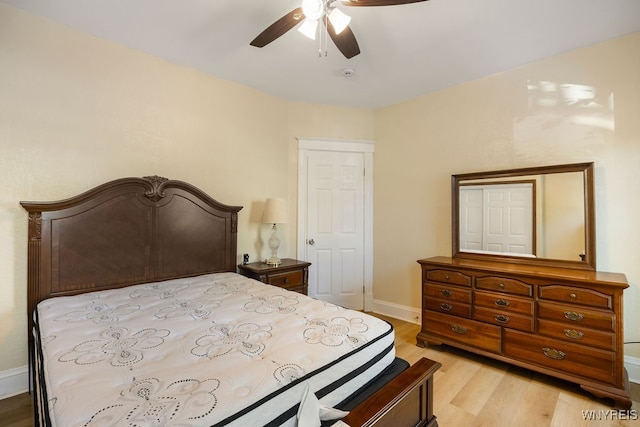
(137, 315)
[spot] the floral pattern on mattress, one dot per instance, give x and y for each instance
(196, 351)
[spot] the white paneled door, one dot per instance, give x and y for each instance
(498, 218)
(333, 205)
(509, 219)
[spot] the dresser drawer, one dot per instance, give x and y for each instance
(450, 293)
(504, 284)
(561, 356)
(577, 316)
(573, 295)
(450, 307)
(291, 274)
(501, 318)
(577, 334)
(504, 302)
(448, 276)
(290, 279)
(467, 331)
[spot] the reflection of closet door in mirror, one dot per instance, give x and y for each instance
(498, 218)
(471, 219)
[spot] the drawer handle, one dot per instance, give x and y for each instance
(552, 353)
(446, 277)
(446, 292)
(573, 296)
(446, 307)
(286, 280)
(502, 303)
(572, 333)
(501, 285)
(461, 330)
(572, 315)
(502, 318)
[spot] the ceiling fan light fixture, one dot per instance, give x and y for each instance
(336, 24)
(309, 28)
(313, 9)
(339, 20)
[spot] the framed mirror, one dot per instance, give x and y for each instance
(539, 215)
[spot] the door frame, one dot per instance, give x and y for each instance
(305, 145)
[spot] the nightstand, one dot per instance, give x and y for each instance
(292, 274)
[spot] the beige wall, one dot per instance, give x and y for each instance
(76, 111)
(497, 122)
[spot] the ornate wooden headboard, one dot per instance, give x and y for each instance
(124, 232)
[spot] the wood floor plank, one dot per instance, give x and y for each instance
(451, 415)
(16, 411)
(538, 404)
(500, 405)
(487, 378)
(454, 380)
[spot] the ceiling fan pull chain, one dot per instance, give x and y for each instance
(321, 33)
(326, 32)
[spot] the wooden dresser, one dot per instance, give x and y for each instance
(562, 322)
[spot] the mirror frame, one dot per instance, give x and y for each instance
(586, 169)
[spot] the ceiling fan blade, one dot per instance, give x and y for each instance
(278, 28)
(345, 41)
(378, 2)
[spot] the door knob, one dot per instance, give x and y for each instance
(311, 242)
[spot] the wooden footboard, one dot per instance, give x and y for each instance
(405, 401)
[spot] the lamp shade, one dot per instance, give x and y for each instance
(339, 20)
(275, 211)
(309, 28)
(312, 9)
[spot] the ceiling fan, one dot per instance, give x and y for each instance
(311, 12)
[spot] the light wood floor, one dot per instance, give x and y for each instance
(470, 391)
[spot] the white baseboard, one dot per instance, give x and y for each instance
(14, 381)
(397, 311)
(633, 368)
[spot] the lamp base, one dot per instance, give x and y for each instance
(274, 244)
(274, 261)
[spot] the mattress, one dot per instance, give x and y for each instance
(218, 349)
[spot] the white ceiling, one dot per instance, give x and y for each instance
(406, 51)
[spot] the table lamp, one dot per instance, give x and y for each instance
(275, 212)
